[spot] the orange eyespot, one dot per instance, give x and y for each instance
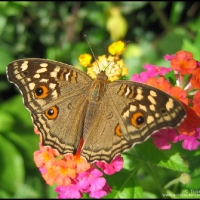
(41, 92)
(137, 119)
(118, 130)
(52, 112)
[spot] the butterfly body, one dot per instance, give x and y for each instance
(67, 106)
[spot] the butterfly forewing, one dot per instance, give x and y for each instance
(56, 80)
(56, 95)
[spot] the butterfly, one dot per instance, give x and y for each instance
(69, 108)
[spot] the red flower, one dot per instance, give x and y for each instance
(184, 62)
(189, 125)
(160, 83)
(195, 80)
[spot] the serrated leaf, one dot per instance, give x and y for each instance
(169, 159)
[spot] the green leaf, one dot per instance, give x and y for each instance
(17, 110)
(5, 58)
(169, 159)
(25, 191)
(23, 145)
(12, 166)
(124, 185)
(174, 37)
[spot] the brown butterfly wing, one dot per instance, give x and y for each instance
(56, 95)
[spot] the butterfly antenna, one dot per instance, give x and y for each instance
(118, 53)
(92, 51)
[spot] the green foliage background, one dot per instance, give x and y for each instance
(55, 30)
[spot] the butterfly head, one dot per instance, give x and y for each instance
(102, 76)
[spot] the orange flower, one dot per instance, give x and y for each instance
(180, 94)
(184, 62)
(42, 158)
(195, 80)
(196, 102)
(160, 83)
(189, 125)
(49, 175)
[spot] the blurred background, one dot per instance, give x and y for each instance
(55, 30)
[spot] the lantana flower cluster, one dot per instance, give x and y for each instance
(112, 65)
(73, 175)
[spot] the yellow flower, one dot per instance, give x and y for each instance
(116, 48)
(85, 59)
(112, 65)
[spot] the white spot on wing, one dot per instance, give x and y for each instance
(41, 70)
(24, 66)
(54, 94)
(31, 86)
(52, 85)
(127, 92)
(152, 107)
(133, 108)
(44, 80)
(150, 119)
(18, 76)
(36, 76)
(153, 93)
(169, 104)
(43, 65)
(53, 74)
(67, 76)
(152, 100)
(139, 94)
(142, 107)
(57, 69)
(126, 114)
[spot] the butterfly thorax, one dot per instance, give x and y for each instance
(98, 87)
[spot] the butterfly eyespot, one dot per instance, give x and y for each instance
(52, 112)
(137, 119)
(41, 92)
(118, 130)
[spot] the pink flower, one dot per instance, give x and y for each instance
(163, 137)
(142, 77)
(70, 191)
(152, 71)
(91, 182)
(190, 142)
(169, 57)
(155, 71)
(115, 166)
